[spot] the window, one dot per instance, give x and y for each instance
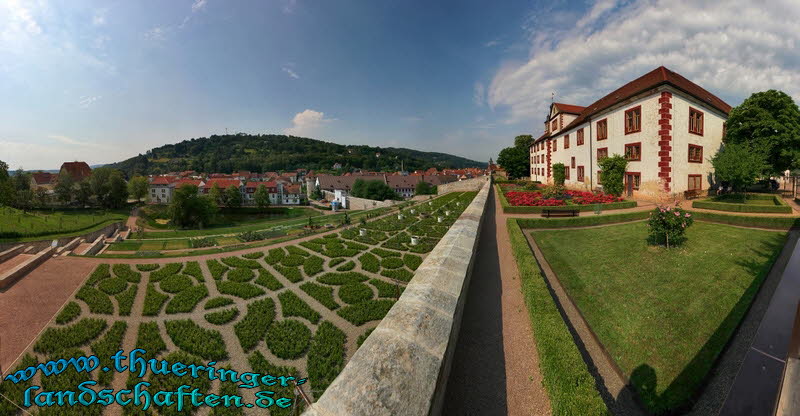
(635, 177)
(695, 121)
(695, 153)
(580, 137)
(566, 172)
(599, 182)
(602, 129)
(580, 173)
(633, 151)
(633, 120)
(555, 144)
(724, 129)
(573, 162)
(554, 126)
(566, 141)
(602, 153)
(695, 182)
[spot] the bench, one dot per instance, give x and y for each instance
(547, 213)
(692, 194)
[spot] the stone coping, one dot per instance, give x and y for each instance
(403, 366)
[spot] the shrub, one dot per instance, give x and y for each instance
(559, 173)
(667, 225)
(288, 339)
(124, 271)
(106, 347)
(274, 256)
(147, 267)
(290, 273)
(194, 339)
(313, 265)
(297, 251)
(242, 290)
(69, 313)
(193, 269)
(369, 310)
(399, 274)
(113, 285)
(392, 263)
(168, 270)
(335, 261)
(125, 300)
(222, 317)
(149, 339)
(216, 268)
(67, 380)
(292, 305)
(229, 388)
(241, 275)
(293, 260)
(202, 242)
(387, 290)
(369, 262)
(175, 283)
(254, 255)
(255, 323)
(101, 272)
(187, 299)
(259, 364)
(734, 207)
(363, 337)
(326, 355)
(266, 279)
(350, 265)
(342, 278)
(171, 383)
(323, 294)
(54, 340)
(612, 173)
(16, 392)
(240, 262)
(353, 293)
(97, 301)
(217, 302)
(412, 261)
(153, 301)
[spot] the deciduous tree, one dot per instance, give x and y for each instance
(739, 164)
(261, 197)
(233, 198)
(612, 174)
(137, 187)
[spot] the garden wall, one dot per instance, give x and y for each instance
(403, 366)
(473, 184)
(42, 244)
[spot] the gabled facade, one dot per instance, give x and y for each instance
(667, 126)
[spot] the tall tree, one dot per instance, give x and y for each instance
(515, 161)
(233, 197)
(6, 187)
(739, 164)
(84, 193)
(189, 209)
(100, 181)
(261, 197)
(523, 141)
(117, 191)
(65, 188)
(424, 188)
(215, 194)
(41, 197)
(137, 187)
(770, 121)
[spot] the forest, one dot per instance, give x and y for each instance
(267, 153)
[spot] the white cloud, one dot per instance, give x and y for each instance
(291, 72)
(17, 20)
(491, 43)
(99, 17)
(67, 140)
(289, 5)
(199, 5)
(731, 48)
(156, 34)
(479, 94)
(307, 123)
(86, 101)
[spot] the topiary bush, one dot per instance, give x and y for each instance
(392, 263)
(76, 335)
(106, 347)
(387, 290)
(412, 261)
(350, 265)
(292, 274)
(313, 265)
(193, 269)
(254, 255)
(241, 290)
(124, 271)
(168, 270)
(399, 274)
(153, 301)
(125, 300)
(240, 262)
(322, 294)
(266, 279)
(102, 271)
(97, 301)
(369, 262)
(326, 356)
(241, 275)
(369, 310)
(342, 278)
(147, 267)
(288, 339)
(187, 299)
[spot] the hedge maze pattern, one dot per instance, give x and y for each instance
(300, 309)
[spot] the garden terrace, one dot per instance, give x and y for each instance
(527, 202)
(295, 309)
(760, 203)
(18, 225)
(661, 324)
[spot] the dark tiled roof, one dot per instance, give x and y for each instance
(78, 170)
(43, 178)
(569, 108)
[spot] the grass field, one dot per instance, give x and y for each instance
(663, 315)
(154, 216)
(16, 225)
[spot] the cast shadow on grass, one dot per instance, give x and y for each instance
(682, 393)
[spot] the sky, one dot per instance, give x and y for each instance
(102, 81)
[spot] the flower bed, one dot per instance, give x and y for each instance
(529, 202)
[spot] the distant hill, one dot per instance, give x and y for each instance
(266, 153)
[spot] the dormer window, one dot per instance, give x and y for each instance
(554, 125)
(633, 120)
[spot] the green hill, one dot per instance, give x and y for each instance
(268, 152)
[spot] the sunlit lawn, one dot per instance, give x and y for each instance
(663, 315)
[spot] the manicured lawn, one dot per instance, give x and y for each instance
(16, 225)
(738, 199)
(155, 216)
(663, 315)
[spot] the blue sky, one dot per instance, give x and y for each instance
(103, 81)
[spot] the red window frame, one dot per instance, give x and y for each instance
(599, 182)
(579, 138)
(554, 125)
(699, 179)
(566, 141)
(697, 159)
(572, 163)
(580, 174)
(635, 124)
(566, 172)
(555, 145)
(602, 129)
(604, 151)
(696, 118)
(632, 145)
(635, 184)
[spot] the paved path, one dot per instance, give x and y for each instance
(495, 366)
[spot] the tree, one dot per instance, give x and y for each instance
(523, 141)
(100, 181)
(22, 180)
(770, 121)
(117, 195)
(65, 188)
(739, 165)
(424, 188)
(559, 174)
(233, 197)
(24, 199)
(215, 194)
(6, 187)
(261, 196)
(137, 187)
(375, 190)
(84, 193)
(316, 193)
(612, 174)
(41, 197)
(189, 209)
(515, 161)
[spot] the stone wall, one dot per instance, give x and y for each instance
(403, 367)
(10, 276)
(42, 244)
(473, 184)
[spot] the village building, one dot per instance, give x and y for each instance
(667, 127)
(77, 170)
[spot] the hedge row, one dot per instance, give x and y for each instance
(125, 300)
(326, 356)
(313, 265)
(777, 223)
(370, 310)
(581, 221)
(69, 313)
(369, 262)
(113, 285)
(175, 283)
(350, 265)
(102, 271)
(216, 268)
(168, 270)
(97, 301)
(217, 302)
(222, 317)
(147, 267)
(124, 271)
(254, 325)
(241, 275)
(153, 301)
(149, 339)
(106, 347)
(57, 339)
(569, 384)
(288, 339)
(266, 279)
(353, 293)
(259, 364)
(386, 290)
(292, 305)
(733, 207)
(194, 339)
(234, 261)
(322, 294)
(242, 290)
(187, 299)
(193, 269)
(290, 273)
(398, 274)
(342, 278)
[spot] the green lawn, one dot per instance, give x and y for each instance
(231, 217)
(738, 199)
(16, 225)
(663, 315)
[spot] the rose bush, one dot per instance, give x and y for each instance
(531, 199)
(667, 225)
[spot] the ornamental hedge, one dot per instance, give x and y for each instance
(292, 305)
(193, 269)
(350, 265)
(222, 317)
(216, 268)
(313, 265)
(292, 274)
(780, 207)
(149, 339)
(288, 339)
(218, 302)
(194, 339)
(76, 335)
(125, 300)
(124, 271)
(342, 278)
(147, 267)
(69, 313)
(326, 355)
(412, 261)
(241, 275)
(168, 270)
(266, 279)
(153, 301)
(113, 285)
(399, 274)
(352, 293)
(175, 283)
(369, 262)
(387, 290)
(106, 347)
(242, 290)
(255, 323)
(240, 262)
(392, 263)
(97, 301)
(370, 310)
(322, 294)
(187, 299)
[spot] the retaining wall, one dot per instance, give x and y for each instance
(473, 184)
(22, 269)
(403, 366)
(42, 244)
